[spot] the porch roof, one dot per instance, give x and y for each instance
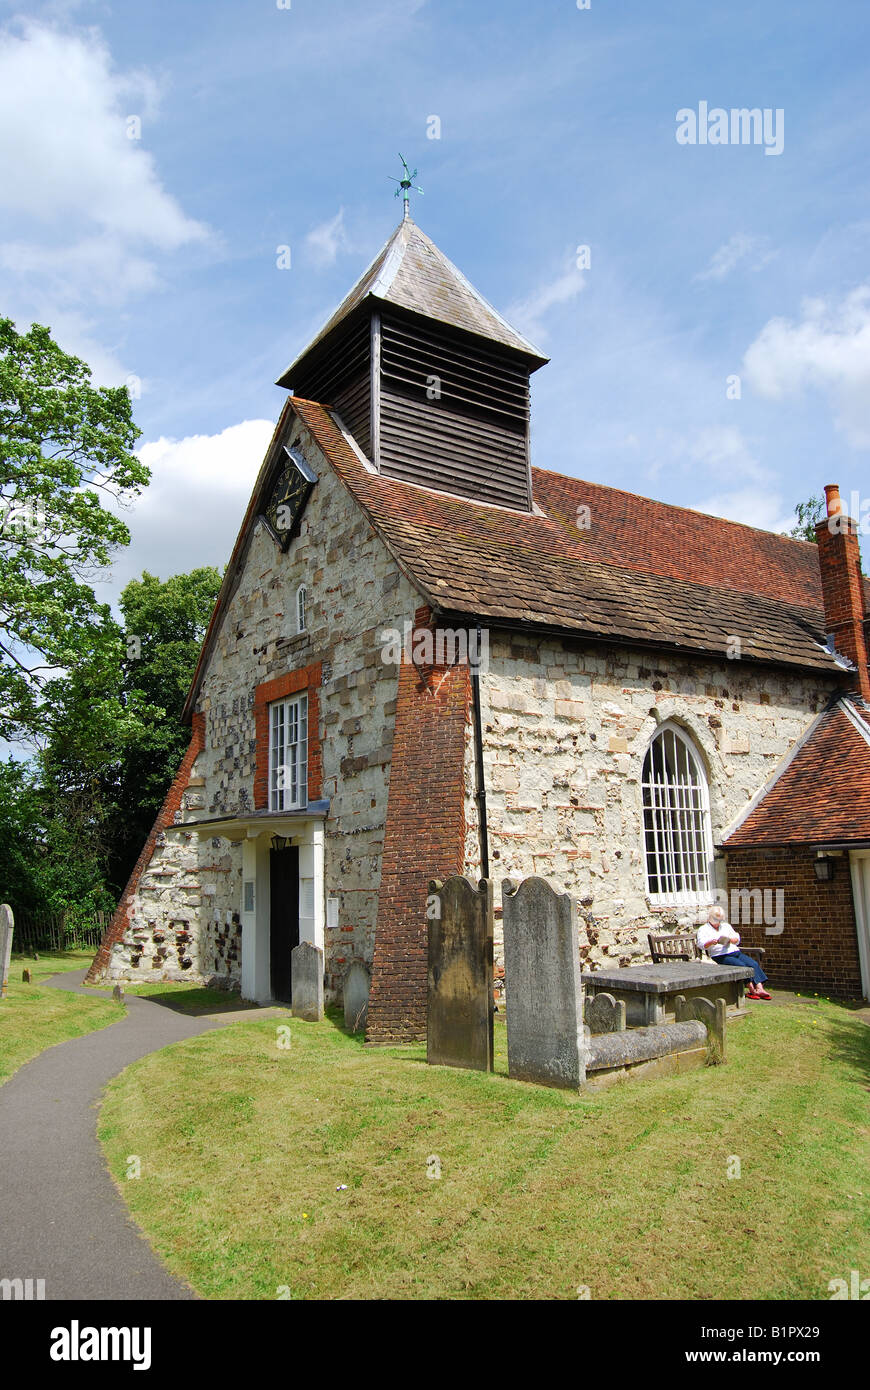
(254, 823)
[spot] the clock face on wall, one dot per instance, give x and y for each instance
(290, 493)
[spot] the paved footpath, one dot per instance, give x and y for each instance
(61, 1216)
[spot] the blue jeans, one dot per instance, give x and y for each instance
(738, 958)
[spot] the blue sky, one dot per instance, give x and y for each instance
(264, 127)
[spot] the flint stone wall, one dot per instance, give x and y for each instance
(183, 925)
(355, 590)
(566, 731)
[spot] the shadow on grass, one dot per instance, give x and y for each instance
(334, 1014)
(848, 1041)
(199, 1002)
(196, 1002)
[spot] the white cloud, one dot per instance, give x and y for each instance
(754, 506)
(85, 211)
(325, 241)
(65, 153)
(191, 512)
(722, 450)
(740, 248)
(528, 314)
(828, 350)
(721, 453)
(112, 272)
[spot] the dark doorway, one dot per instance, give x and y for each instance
(283, 917)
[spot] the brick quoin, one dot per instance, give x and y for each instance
(165, 820)
(843, 593)
(424, 838)
(818, 948)
(308, 679)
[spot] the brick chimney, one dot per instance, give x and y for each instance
(843, 587)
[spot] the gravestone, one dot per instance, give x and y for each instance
(459, 1014)
(357, 983)
(604, 1014)
(544, 1002)
(7, 924)
(711, 1012)
(27, 977)
(306, 968)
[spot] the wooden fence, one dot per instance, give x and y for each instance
(52, 931)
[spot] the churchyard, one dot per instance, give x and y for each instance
(302, 1164)
(280, 1157)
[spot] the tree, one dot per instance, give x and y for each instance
(22, 835)
(46, 864)
(92, 724)
(165, 625)
(808, 513)
(64, 446)
(73, 820)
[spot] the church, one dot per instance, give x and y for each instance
(430, 658)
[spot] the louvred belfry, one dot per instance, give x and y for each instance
(426, 375)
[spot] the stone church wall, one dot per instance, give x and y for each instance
(185, 910)
(566, 731)
(175, 887)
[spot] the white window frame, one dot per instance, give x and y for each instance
(288, 753)
(676, 822)
(301, 608)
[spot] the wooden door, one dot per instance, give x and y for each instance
(283, 917)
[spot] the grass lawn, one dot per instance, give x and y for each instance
(627, 1192)
(34, 1017)
(187, 999)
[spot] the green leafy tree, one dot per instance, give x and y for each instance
(46, 863)
(22, 835)
(165, 625)
(93, 723)
(65, 449)
(76, 816)
(808, 513)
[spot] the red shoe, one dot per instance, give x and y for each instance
(761, 994)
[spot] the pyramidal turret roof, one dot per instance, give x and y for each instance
(411, 273)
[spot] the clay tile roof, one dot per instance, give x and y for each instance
(822, 792)
(642, 534)
(643, 573)
(411, 273)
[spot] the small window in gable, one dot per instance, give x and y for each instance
(301, 608)
(678, 841)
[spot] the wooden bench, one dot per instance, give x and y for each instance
(673, 946)
(684, 946)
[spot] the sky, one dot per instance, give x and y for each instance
(705, 305)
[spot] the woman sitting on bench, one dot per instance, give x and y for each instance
(720, 940)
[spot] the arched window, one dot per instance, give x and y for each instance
(301, 608)
(676, 819)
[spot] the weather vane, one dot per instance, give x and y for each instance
(405, 186)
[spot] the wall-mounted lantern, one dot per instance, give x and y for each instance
(824, 868)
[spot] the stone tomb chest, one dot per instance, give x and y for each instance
(649, 991)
